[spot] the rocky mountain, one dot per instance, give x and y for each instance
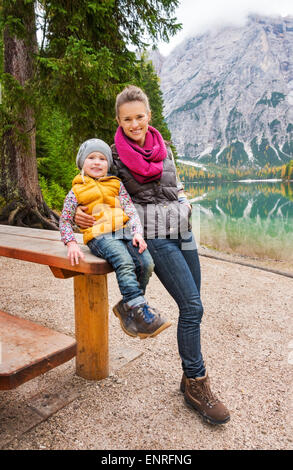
(228, 93)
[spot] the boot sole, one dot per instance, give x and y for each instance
(204, 416)
(141, 335)
(155, 333)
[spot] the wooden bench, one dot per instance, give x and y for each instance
(28, 349)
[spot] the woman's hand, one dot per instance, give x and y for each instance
(189, 206)
(187, 203)
(138, 240)
(74, 253)
(82, 219)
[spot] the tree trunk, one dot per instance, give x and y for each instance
(19, 179)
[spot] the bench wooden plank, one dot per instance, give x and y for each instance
(36, 233)
(48, 252)
(63, 273)
(29, 349)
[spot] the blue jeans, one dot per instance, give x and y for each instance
(177, 266)
(133, 269)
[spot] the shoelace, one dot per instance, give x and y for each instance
(147, 314)
(205, 392)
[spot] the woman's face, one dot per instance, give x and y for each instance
(134, 119)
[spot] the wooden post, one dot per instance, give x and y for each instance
(91, 326)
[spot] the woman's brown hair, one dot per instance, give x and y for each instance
(131, 93)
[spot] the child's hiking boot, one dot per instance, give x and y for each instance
(198, 394)
(142, 320)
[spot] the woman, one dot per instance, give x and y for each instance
(145, 164)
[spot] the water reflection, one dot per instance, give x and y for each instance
(254, 219)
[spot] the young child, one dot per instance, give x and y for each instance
(116, 236)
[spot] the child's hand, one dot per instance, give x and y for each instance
(74, 253)
(138, 240)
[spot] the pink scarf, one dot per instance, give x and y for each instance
(144, 163)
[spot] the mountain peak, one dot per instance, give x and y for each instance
(228, 93)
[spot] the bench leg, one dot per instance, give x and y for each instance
(91, 326)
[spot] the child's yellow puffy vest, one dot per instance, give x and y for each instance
(101, 198)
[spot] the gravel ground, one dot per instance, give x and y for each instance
(247, 342)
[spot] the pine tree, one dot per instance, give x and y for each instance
(19, 177)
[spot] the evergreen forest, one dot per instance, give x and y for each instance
(61, 66)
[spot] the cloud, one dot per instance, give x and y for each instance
(199, 15)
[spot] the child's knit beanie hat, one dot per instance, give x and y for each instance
(93, 145)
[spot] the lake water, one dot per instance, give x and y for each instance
(253, 219)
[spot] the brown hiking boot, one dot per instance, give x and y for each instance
(142, 321)
(198, 394)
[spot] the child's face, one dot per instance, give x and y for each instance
(95, 165)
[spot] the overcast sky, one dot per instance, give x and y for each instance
(198, 15)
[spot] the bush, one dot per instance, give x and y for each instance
(55, 157)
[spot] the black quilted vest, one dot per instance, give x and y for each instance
(156, 202)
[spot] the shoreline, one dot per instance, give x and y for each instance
(201, 166)
(282, 268)
(213, 181)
